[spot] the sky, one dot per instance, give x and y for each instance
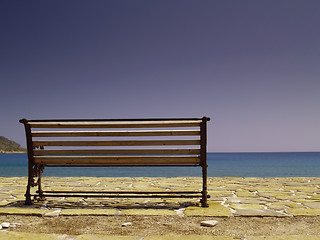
(252, 66)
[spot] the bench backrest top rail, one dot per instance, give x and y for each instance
(114, 120)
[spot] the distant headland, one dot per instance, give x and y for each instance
(8, 146)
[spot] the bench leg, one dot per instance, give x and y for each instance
(28, 194)
(203, 201)
(41, 197)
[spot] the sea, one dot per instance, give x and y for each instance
(253, 164)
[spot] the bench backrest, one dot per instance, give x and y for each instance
(122, 142)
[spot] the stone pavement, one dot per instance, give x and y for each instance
(229, 197)
(245, 197)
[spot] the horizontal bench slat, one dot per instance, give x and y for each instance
(123, 165)
(142, 124)
(117, 143)
(126, 192)
(114, 133)
(129, 160)
(124, 196)
(117, 152)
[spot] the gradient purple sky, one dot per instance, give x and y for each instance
(252, 66)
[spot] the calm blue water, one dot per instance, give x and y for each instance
(301, 164)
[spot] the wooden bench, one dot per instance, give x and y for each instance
(115, 143)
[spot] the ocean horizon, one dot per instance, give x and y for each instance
(242, 164)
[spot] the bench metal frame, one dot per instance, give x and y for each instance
(119, 153)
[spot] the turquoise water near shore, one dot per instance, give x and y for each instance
(280, 164)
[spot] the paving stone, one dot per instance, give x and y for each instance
(221, 193)
(283, 197)
(9, 235)
(147, 212)
(216, 199)
(91, 212)
(214, 209)
(258, 212)
(302, 200)
(316, 197)
(246, 201)
(315, 205)
(245, 194)
(282, 205)
(247, 206)
(22, 211)
(304, 212)
(307, 190)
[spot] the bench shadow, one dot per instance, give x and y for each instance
(98, 204)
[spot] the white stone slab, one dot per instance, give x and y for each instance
(209, 223)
